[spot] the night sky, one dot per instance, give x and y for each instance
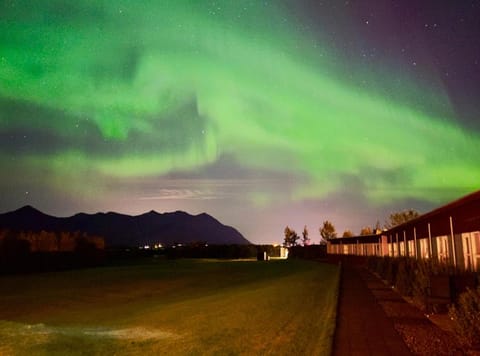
(260, 113)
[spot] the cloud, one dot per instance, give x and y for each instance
(210, 189)
(187, 194)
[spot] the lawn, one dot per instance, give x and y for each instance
(177, 307)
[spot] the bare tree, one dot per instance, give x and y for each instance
(305, 238)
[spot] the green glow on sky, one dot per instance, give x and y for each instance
(261, 94)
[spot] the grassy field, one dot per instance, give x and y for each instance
(176, 307)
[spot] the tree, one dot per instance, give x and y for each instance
(291, 237)
(347, 233)
(327, 231)
(366, 230)
(287, 232)
(305, 238)
(401, 217)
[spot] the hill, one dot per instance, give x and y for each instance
(126, 230)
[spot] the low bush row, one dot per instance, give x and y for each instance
(465, 315)
(413, 277)
(410, 276)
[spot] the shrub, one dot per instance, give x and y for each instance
(409, 275)
(405, 276)
(391, 271)
(420, 281)
(380, 266)
(466, 317)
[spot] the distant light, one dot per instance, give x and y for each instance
(146, 247)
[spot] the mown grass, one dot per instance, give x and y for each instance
(192, 307)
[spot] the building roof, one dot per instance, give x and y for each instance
(463, 215)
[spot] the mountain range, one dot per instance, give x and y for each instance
(126, 230)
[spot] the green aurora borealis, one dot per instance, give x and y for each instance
(95, 92)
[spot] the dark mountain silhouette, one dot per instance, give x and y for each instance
(126, 230)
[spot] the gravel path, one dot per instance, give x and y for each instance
(419, 333)
(373, 319)
(363, 328)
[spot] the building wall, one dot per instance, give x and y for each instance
(450, 234)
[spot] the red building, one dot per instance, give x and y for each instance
(450, 234)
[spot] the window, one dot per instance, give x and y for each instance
(476, 239)
(411, 248)
(442, 248)
(424, 250)
(476, 253)
(467, 251)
